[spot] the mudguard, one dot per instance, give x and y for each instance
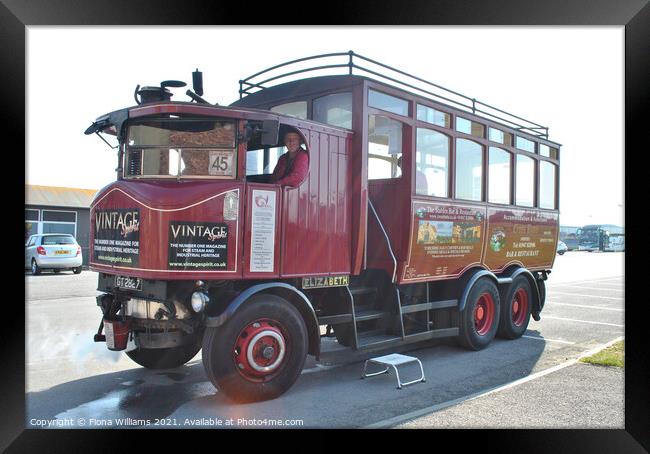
(297, 298)
(538, 293)
(478, 274)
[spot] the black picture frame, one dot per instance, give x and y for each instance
(634, 15)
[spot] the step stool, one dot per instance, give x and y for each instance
(393, 360)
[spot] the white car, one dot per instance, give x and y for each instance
(561, 247)
(55, 251)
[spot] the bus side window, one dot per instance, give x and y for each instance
(525, 188)
(469, 170)
(431, 163)
(547, 172)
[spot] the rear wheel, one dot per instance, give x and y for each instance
(515, 313)
(77, 270)
(480, 318)
(259, 353)
(36, 270)
(165, 358)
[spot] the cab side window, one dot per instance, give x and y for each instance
(262, 162)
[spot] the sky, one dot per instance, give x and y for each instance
(570, 79)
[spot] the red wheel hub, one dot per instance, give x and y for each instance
(484, 314)
(260, 350)
(519, 307)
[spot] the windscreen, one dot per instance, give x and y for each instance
(589, 234)
(175, 147)
(58, 239)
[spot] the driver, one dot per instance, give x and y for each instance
(292, 167)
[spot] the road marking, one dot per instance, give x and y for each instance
(547, 339)
(584, 321)
(590, 296)
(603, 280)
(425, 411)
(589, 288)
(588, 307)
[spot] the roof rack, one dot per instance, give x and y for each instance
(411, 82)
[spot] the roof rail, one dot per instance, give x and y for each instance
(410, 82)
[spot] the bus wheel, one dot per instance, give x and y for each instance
(515, 313)
(259, 353)
(480, 318)
(164, 358)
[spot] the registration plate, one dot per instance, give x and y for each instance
(128, 283)
(61, 252)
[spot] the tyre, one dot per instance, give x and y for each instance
(479, 320)
(561, 252)
(165, 358)
(36, 270)
(259, 353)
(76, 270)
(515, 310)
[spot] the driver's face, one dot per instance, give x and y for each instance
(292, 141)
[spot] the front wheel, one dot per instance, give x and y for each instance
(480, 318)
(515, 313)
(259, 353)
(165, 358)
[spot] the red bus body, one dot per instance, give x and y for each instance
(317, 212)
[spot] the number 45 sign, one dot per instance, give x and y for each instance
(221, 163)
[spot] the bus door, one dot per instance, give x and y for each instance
(316, 231)
(306, 228)
(389, 183)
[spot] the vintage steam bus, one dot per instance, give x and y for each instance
(424, 214)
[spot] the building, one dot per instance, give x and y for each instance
(50, 209)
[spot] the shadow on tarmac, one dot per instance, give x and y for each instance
(333, 397)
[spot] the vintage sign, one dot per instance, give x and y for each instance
(520, 236)
(444, 240)
(117, 236)
(262, 231)
(325, 281)
(197, 245)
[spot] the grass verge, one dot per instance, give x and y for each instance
(611, 356)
